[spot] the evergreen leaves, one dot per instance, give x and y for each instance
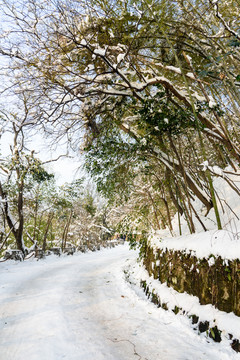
(161, 117)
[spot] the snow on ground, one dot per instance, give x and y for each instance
(224, 243)
(82, 307)
(203, 244)
(214, 242)
(228, 323)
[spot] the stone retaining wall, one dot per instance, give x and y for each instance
(213, 280)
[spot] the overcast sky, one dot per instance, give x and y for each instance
(65, 169)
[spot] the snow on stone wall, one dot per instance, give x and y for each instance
(212, 279)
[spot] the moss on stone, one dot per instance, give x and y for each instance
(213, 283)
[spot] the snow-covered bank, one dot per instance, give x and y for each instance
(224, 243)
(205, 263)
(82, 307)
(214, 242)
(227, 323)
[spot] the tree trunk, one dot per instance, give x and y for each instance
(17, 229)
(19, 238)
(65, 232)
(50, 217)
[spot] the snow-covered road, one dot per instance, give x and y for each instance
(81, 307)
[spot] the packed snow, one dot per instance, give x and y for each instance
(83, 307)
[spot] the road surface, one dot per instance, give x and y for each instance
(81, 307)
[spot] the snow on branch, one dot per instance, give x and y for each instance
(214, 3)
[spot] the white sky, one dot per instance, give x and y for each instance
(66, 169)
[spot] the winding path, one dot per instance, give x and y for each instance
(80, 307)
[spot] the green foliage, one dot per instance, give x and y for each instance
(73, 190)
(39, 174)
(159, 116)
(229, 272)
(234, 43)
(138, 240)
(204, 106)
(89, 205)
(109, 161)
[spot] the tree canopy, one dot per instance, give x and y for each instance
(149, 90)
